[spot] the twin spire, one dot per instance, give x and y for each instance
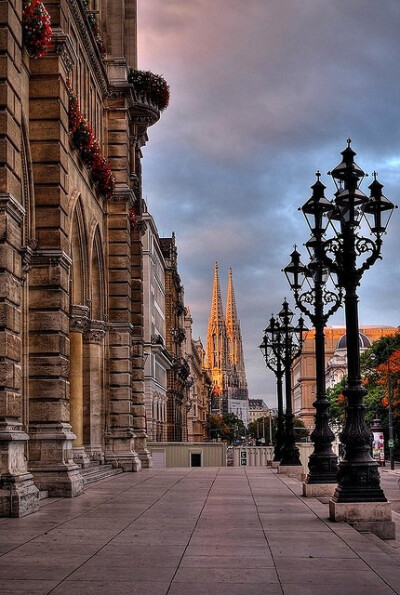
(224, 353)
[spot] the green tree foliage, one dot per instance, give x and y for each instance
(227, 427)
(337, 408)
(381, 373)
(260, 427)
(300, 430)
(380, 370)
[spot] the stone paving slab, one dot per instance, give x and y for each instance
(200, 531)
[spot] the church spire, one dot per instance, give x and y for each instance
(216, 357)
(231, 319)
(234, 336)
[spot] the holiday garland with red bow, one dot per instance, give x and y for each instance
(88, 147)
(36, 28)
(153, 86)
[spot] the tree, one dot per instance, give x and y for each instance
(235, 425)
(337, 408)
(259, 428)
(227, 427)
(256, 428)
(381, 368)
(300, 430)
(217, 428)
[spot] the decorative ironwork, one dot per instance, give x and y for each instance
(285, 342)
(348, 255)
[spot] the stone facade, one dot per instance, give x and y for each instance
(199, 385)
(178, 375)
(158, 359)
(71, 297)
(258, 409)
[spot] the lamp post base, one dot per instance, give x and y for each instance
(365, 516)
(315, 490)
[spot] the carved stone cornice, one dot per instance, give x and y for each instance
(136, 183)
(141, 227)
(79, 318)
(51, 258)
(95, 332)
(123, 195)
(64, 48)
(27, 253)
(10, 205)
(89, 43)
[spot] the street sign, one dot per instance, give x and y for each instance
(391, 443)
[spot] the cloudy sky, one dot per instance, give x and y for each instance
(264, 93)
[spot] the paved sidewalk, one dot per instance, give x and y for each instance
(196, 531)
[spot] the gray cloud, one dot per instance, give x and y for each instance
(264, 93)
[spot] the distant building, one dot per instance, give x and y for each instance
(178, 374)
(199, 385)
(336, 368)
(303, 373)
(157, 359)
(224, 355)
(257, 409)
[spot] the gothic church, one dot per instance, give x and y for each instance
(224, 353)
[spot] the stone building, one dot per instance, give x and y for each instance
(71, 297)
(199, 385)
(257, 409)
(157, 359)
(303, 374)
(178, 374)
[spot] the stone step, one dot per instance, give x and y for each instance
(97, 473)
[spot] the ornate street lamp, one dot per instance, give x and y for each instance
(314, 298)
(291, 341)
(271, 348)
(348, 255)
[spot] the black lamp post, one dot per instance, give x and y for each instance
(314, 298)
(291, 340)
(348, 255)
(271, 348)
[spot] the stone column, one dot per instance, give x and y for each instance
(78, 324)
(51, 457)
(93, 391)
(120, 445)
(50, 452)
(18, 494)
(138, 345)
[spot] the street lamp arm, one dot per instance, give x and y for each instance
(332, 298)
(362, 246)
(305, 298)
(331, 246)
(328, 297)
(275, 366)
(365, 245)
